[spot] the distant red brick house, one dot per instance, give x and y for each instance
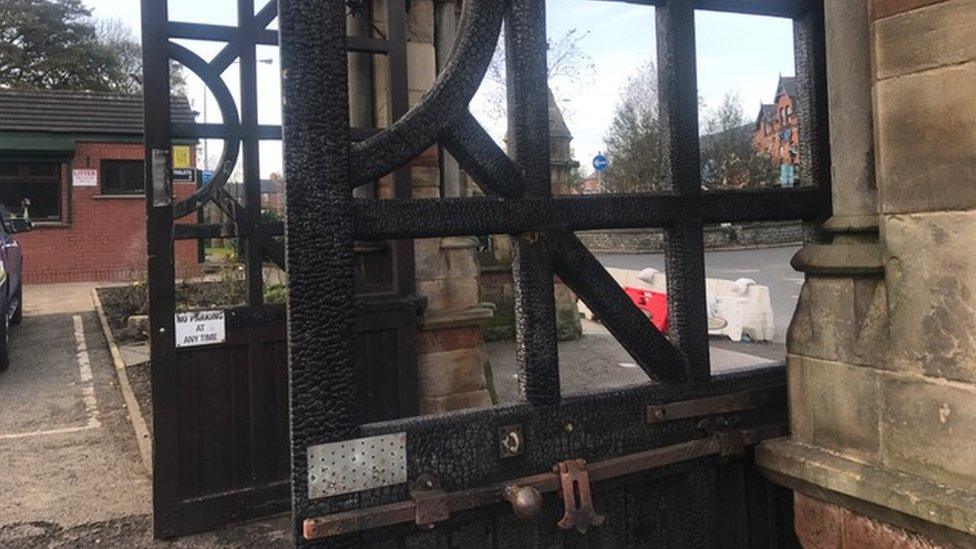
(776, 131)
(78, 158)
(272, 193)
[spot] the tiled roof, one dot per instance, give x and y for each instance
(79, 112)
(766, 112)
(787, 84)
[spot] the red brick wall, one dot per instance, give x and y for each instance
(100, 238)
(822, 525)
(779, 151)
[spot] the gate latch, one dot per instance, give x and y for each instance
(575, 486)
(431, 504)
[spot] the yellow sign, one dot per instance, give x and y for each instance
(181, 156)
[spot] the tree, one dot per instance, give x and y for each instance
(52, 44)
(56, 45)
(569, 69)
(114, 34)
(729, 157)
(634, 138)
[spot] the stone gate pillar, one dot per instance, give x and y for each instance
(496, 261)
(453, 365)
(882, 347)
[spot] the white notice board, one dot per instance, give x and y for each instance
(200, 328)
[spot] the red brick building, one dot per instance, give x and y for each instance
(78, 158)
(776, 131)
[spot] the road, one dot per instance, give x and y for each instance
(768, 267)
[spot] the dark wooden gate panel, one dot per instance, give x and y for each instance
(231, 411)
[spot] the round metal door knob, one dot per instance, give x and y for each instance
(526, 501)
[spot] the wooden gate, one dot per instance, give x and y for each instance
(668, 464)
(220, 422)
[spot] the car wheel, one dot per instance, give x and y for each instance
(4, 340)
(19, 313)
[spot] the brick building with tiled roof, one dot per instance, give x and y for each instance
(776, 130)
(78, 158)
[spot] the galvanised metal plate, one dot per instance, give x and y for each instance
(356, 465)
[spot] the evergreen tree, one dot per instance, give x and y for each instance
(56, 45)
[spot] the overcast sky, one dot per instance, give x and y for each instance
(736, 53)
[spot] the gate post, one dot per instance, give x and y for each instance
(161, 271)
(321, 312)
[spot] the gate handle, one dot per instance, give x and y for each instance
(526, 501)
(575, 482)
(428, 505)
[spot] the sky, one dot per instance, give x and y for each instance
(740, 54)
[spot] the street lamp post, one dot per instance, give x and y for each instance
(206, 155)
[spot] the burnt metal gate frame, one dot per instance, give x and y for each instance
(220, 445)
(668, 460)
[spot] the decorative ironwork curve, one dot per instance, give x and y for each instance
(442, 114)
(232, 137)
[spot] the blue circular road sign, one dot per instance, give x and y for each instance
(600, 162)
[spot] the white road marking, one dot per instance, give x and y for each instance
(84, 369)
(64, 431)
(796, 280)
(87, 391)
(626, 365)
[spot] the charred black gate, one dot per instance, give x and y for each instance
(221, 440)
(663, 465)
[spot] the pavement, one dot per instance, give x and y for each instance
(597, 362)
(66, 447)
(70, 471)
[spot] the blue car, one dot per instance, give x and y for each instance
(11, 267)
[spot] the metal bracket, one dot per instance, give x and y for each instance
(575, 486)
(431, 504)
(730, 443)
(723, 404)
(350, 466)
(510, 441)
(162, 178)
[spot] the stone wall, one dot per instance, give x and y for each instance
(453, 367)
(749, 235)
(882, 348)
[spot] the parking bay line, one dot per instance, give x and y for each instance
(87, 390)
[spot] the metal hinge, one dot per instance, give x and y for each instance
(431, 504)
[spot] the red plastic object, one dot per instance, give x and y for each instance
(654, 305)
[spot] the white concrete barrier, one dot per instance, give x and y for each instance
(736, 309)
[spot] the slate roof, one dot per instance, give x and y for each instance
(787, 84)
(766, 113)
(79, 112)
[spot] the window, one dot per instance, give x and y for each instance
(123, 177)
(38, 182)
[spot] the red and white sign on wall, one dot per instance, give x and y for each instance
(84, 177)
